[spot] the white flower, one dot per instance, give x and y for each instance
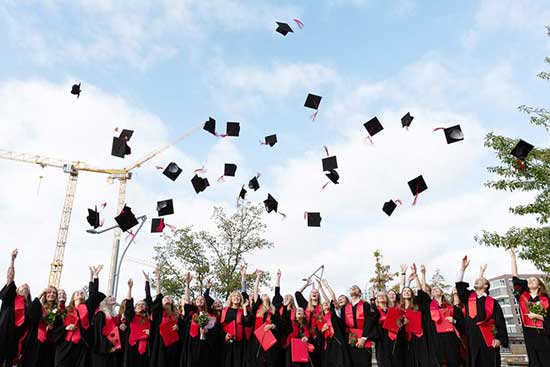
(54, 310)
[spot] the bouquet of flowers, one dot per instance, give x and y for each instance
(352, 339)
(52, 316)
(203, 320)
(537, 308)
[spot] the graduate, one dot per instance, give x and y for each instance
(137, 349)
(484, 324)
(296, 329)
(106, 335)
(335, 351)
(73, 334)
(314, 315)
(123, 332)
(286, 307)
(384, 343)
(14, 316)
(234, 317)
(39, 347)
(165, 330)
(534, 305)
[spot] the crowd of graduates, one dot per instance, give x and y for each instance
(416, 326)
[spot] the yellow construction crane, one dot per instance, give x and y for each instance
(73, 168)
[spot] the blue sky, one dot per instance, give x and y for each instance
(161, 67)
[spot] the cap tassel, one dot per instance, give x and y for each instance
(416, 196)
(130, 235)
(159, 167)
(369, 139)
(438, 128)
(520, 163)
(262, 142)
(299, 23)
(313, 116)
(398, 201)
(325, 185)
(258, 174)
(200, 170)
(282, 215)
(116, 130)
(221, 178)
(326, 150)
(220, 135)
(172, 227)
(39, 184)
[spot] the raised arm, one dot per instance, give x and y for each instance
(187, 297)
(278, 299)
(257, 285)
(403, 276)
(324, 282)
(482, 269)
(243, 278)
(209, 300)
(159, 286)
(423, 283)
(130, 286)
(11, 270)
(148, 298)
(308, 283)
(323, 292)
(461, 286)
(515, 271)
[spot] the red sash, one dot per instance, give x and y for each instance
(359, 317)
(260, 318)
(19, 307)
(72, 336)
(382, 315)
(329, 333)
(83, 316)
(524, 309)
(194, 327)
(439, 315)
(137, 332)
(166, 329)
(285, 343)
(110, 331)
(42, 333)
(486, 326)
(309, 314)
(236, 325)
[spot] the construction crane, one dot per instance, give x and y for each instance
(73, 168)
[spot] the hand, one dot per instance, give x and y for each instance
(465, 262)
(209, 283)
(496, 343)
(146, 276)
(533, 316)
(259, 273)
(130, 283)
(482, 269)
(188, 277)
(450, 319)
(412, 277)
(325, 283)
(279, 274)
(404, 268)
(92, 271)
(325, 328)
(318, 283)
(309, 282)
(423, 269)
(122, 327)
(49, 327)
(304, 339)
(175, 327)
(413, 268)
(269, 327)
(146, 331)
(243, 270)
(228, 337)
(361, 343)
(246, 303)
(70, 327)
(14, 254)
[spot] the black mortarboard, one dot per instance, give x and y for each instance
(333, 176)
(522, 150)
(157, 225)
(233, 129)
(230, 169)
(313, 219)
(271, 140)
(210, 126)
(126, 219)
(417, 185)
(119, 147)
(453, 134)
(93, 218)
(172, 171)
(283, 28)
(242, 194)
(126, 134)
(199, 184)
(313, 101)
(75, 90)
(407, 120)
(271, 204)
(373, 126)
(165, 207)
(253, 184)
(329, 163)
(389, 207)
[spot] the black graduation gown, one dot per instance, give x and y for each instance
(537, 341)
(160, 354)
(444, 347)
(234, 354)
(287, 329)
(200, 352)
(257, 357)
(362, 357)
(315, 339)
(68, 354)
(9, 334)
(36, 353)
(102, 354)
(383, 345)
(479, 355)
(132, 357)
(335, 350)
(284, 330)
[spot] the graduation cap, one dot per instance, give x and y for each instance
(199, 183)
(253, 184)
(313, 219)
(453, 134)
(407, 120)
(120, 148)
(172, 171)
(313, 101)
(93, 218)
(165, 207)
(271, 204)
(270, 140)
(233, 129)
(389, 207)
(417, 185)
(333, 176)
(283, 28)
(230, 169)
(157, 225)
(210, 126)
(373, 126)
(75, 90)
(329, 163)
(242, 193)
(126, 134)
(126, 219)
(522, 150)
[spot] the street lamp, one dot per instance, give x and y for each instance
(116, 277)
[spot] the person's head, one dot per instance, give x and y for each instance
(200, 302)
(49, 296)
(437, 292)
(314, 296)
(342, 300)
(24, 290)
(408, 299)
(122, 308)
(382, 299)
(235, 299)
(62, 295)
(355, 291)
(288, 301)
(266, 304)
(392, 296)
(326, 306)
(481, 285)
(168, 304)
(217, 306)
(141, 307)
(107, 305)
(536, 285)
(77, 298)
(300, 313)
(427, 289)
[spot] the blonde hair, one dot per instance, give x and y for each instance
(269, 307)
(229, 302)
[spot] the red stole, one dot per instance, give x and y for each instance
(42, 333)
(194, 327)
(328, 333)
(383, 315)
(260, 318)
(110, 331)
(82, 311)
(166, 329)
(137, 332)
(524, 309)
(359, 316)
(19, 308)
(236, 324)
(486, 326)
(72, 336)
(285, 343)
(315, 313)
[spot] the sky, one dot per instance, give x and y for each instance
(164, 67)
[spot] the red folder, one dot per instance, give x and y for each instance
(230, 329)
(414, 322)
(169, 336)
(390, 323)
(266, 338)
(114, 338)
(299, 351)
(440, 320)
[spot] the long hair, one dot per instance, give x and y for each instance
(106, 310)
(413, 305)
(266, 308)
(292, 303)
(542, 287)
(43, 301)
(71, 305)
(229, 303)
(310, 304)
(387, 300)
(122, 309)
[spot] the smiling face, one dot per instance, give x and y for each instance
(342, 300)
(481, 285)
(355, 292)
(23, 290)
(382, 298)
(200, 302)
(314, 295)
(167, 302)
(79, 297)
(217, 305)
(407, 293)
(437, 292)
(533, 284)
(236, 299)
(62, 295)
(51, 295)
(140, 307)
(288, 299)
(326, 307)
(300, 313)
(392, 296)
(110, 301)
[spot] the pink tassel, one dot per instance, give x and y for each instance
(369, 139)
(159, 167)
(200, 170)
(398, 201)
(282, 215)
(325, 185)
(314, 116)
(299, 23)
(221, 179)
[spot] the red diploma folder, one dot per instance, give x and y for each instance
(299, 351)
(114, 338)
(266, 338)
(230, 329)
(440, 320)
(390, 323)
(414, 322)
(169, 336)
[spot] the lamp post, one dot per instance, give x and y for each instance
(117, 261)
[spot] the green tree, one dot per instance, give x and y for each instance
(533, 176)
(382, 274)
(212, 256)
(438, 280)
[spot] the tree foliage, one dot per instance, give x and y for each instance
(438, 281)
(212, 256)
(534, 177)
(382, 274)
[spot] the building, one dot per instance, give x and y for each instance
(502, 291)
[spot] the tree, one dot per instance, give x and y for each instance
(382, 275)
(212, 256)
(533, 176)
(438, 281)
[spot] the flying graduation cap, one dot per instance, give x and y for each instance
(165, 207)
(233, 129)
(93, 218)
(253, 184)
(333, 176)
(172, 171)
(120, 146)
(389, 206)
(283, 28)
(126, 219)
(373, 127)
(521, 151)
(453, 134)
(75, 90)
(329, 163)
(313, 219)
(157, 225)
(406, 120)
(199, 183)
(210, 126)
(228, 170)
(271, 204)
(313, 101)
(417, 185)
(270, 140)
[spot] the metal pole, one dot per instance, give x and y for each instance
(116, 237)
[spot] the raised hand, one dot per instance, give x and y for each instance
(209, 283)
(404, 268)
(324, 282)
(482, 269)
(188, 277)
(413, 268)
(14, 254)
(465, 262)
(146, 276)
(243, 270)
(130, 283)
(259, 272)
(279, 273)
(422, 269)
